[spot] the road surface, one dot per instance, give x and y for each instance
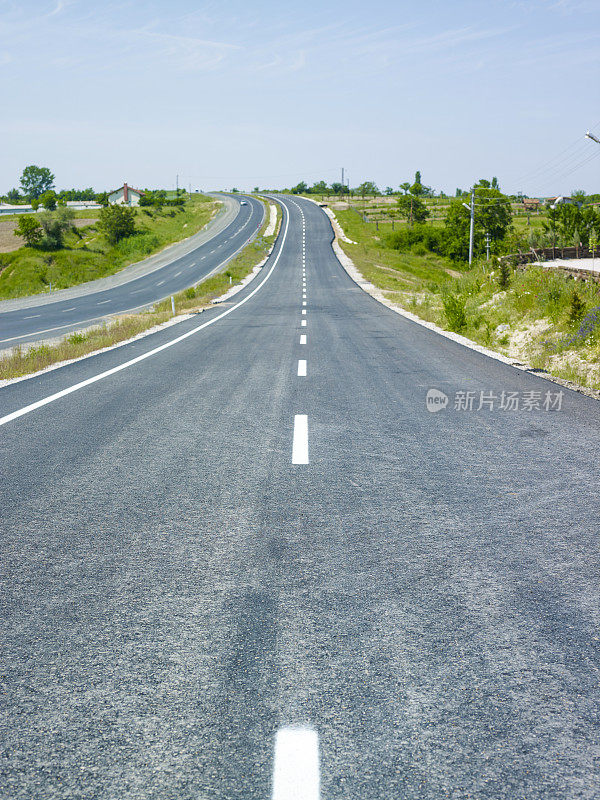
(31, 322)
(251, 564)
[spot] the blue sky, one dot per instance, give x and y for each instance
(233, 93)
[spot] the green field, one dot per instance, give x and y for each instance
(87, 256)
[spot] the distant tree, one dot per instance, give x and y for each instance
(13, 195)
(367, 187)
(493, 215)
(256, 190)
(579, 195)
(405, 187)
(235, 190)
(36, 180)
(101, 198)
(116, 223)
(30, 229)
(35, 204)
(495, 184)
(55, 224)
(300, 188)
(48, 200)
(320, 187)
(338, 188)
(413, 209)
(389, 191)
(417, 187)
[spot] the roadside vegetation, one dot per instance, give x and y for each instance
(28, 359)
(419, 259)
(57, 255)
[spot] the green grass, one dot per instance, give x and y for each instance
(26, 360)
(387, 268)
(87, 256)
(531, 318)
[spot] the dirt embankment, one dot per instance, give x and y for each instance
(10, 242)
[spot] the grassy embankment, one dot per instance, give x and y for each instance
(87, 256)
(542, 318)
(25, 360)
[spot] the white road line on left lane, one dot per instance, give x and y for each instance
(95, 378)
(302, 368)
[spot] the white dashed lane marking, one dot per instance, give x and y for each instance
(302, 368)
(296, 768)
(300, 442)
(302, 338)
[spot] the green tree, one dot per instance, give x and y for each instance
(493, 215)
(300, 188)
(116, 223)
(36, 180)
(405, 187)
(368, 187)
(319, 187)
(413, 209)
(48, 200)
(389, 191)
(30, 229)
(55, 224)
(14, 195)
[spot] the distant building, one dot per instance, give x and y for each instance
(125, 196)
(562, 201)
(531, 203)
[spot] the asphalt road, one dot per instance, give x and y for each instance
(186, 613)
(52, 319)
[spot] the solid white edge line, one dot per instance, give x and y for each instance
(302, 368)
(300, 441)
(51, 398)
(296, 765)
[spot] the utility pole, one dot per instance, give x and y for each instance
(472, 228)
(177, 186)
(343, 184)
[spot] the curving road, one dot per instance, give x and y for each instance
(241, 560)
(30, 319)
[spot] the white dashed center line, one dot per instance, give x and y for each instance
(160, 283)
(177, 274)
(102, 302)
(64, 311)
(33, 316)
(296, 768)
(303, 323)
(302, 338)
(304, 311)
(300, 443)
(302, 368)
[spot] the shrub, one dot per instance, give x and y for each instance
(30, 229)
(190, 293)
(577, 308)
(454, 308)
(116, 223)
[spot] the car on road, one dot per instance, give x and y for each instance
(243, 202)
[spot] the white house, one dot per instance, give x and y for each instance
(125, 196)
